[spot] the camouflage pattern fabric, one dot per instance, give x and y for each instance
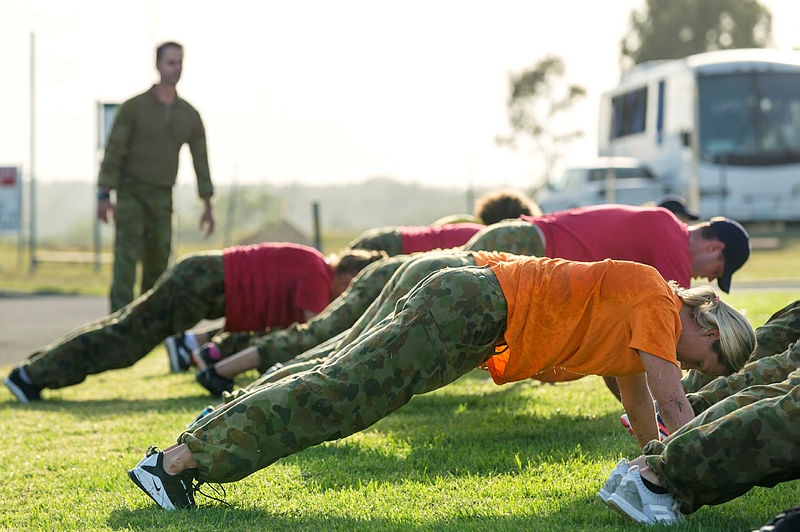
(773, 341)
(283, 345)
(745, 434)
(404, 279)
(512, 236)
(192, 290)
(386, 239)
(229, 343)
(143, 233)
(445, 327)
(748, 439)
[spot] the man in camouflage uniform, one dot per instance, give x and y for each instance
(198, 287)
(141, 165)
(746, 430)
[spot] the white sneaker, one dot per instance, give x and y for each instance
(179, 349)
(633, 499)
(616, 476)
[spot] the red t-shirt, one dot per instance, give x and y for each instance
(649, 235)
(430, 237)
(270, 285)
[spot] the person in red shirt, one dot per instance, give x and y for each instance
(548, 319)
(451, 231)
(253, 287)
(404, 240)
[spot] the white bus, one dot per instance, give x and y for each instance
(721, 128)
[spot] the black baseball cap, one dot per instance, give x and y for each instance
(677, 205)
(737, 247)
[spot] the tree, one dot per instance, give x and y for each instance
(671, 29)
(538, 97)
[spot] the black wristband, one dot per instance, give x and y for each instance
(103, 195)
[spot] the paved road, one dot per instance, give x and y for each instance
(30, 322)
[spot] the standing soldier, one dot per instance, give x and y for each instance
(141, 166)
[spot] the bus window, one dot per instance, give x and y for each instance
(749, 118)
(628, 113)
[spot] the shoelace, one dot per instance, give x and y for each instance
(218, 489)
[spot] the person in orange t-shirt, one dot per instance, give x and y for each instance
(525, 318)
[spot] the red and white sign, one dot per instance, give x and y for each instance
(10, 199)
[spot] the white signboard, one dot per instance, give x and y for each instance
(106, 113)
(10, 199)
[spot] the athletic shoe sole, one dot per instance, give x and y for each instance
(16, 391)
(176, 362)
(625, 509)
(155, 490)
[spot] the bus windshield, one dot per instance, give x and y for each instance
(749, 118)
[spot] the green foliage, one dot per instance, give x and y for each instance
(670, 29)
(538, 98)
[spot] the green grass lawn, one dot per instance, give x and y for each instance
(470, 456)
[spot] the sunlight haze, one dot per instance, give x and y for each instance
(313, 92)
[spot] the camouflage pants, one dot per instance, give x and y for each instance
(445, 327)
(192, 290)
(748, 439)
(404, 279)
(284, 344)
(773, 359)
(512, 236)
(143, 233)
(386, 239)
(746, 431)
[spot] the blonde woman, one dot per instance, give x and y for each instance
(547, 319)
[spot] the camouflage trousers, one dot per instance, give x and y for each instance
(444, 328)
(340, 315)
(748, 439)
(279, 345)
(746, 433)
(412, 271)
(512, 236)
(192, 290)
(143, 233)
(386, 239)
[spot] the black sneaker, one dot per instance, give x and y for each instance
(211, 381)
(24, 392)
(179, 348)
(169, 491)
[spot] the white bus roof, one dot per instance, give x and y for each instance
(748, 59)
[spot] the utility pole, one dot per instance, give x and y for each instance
(32, 148)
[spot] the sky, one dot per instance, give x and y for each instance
(312, 91)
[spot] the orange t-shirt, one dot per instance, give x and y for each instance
(567, 319)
